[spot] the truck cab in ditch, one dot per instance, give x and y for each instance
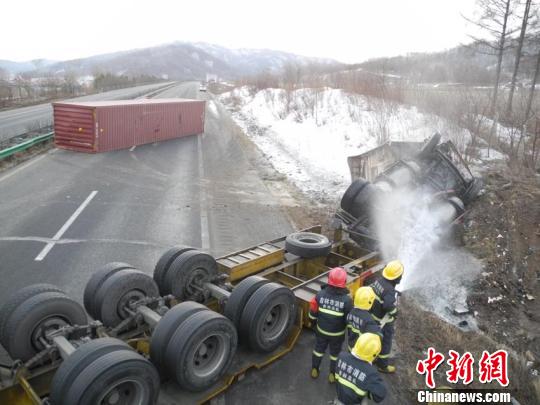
(435, 169)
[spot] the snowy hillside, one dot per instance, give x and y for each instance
(308, 135)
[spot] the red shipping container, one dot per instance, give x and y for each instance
(100, 126)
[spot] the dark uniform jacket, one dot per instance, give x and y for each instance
(360, 321)
(386, 300)
(357, 379)
(329, 308)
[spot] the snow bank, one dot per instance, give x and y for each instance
(308, 134)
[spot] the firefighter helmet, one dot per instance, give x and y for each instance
(337, 277)
(367, 347)
(364, 298)
(393, 270)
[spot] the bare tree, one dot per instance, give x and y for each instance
(525, 20)
(496, 22)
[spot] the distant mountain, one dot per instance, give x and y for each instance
(178, 60)
(19, 67)
(471, 64)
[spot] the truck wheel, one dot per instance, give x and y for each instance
(240, 295)
(363, 201)
(118, 291)
(268, 317)
(166, 327)
(188, 273)
(201, 350)
(307, 244)
(97, 279)
(121, 377)
(81, 358)
(351, 192)
(164, 263)
(17, 299)
(34, 318)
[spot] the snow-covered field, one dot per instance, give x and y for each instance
(308, 134)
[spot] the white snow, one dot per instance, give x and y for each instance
(308, 134)
(212, 108)
(494, 299)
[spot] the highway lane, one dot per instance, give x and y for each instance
(20, 120)
(147, 199)
(196, 191)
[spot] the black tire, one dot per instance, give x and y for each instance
(192, 268)
(26, 322)
(203, 333)
(363, 201)
(351, 192)
(78, 361)
(17, 299)
(264, 333)
(166, 327)
(429, 146)
(97, 279)
(240, 295)
(94, 382)
(307, 244)
(163, 264)
(120, 289)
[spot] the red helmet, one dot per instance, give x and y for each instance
(337, 277)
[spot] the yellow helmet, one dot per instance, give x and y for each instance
(367, 347)
(393, 270)
(364, 298)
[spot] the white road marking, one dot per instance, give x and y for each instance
(205, 235)
(24, 166)
(132, 148)
(65, 227)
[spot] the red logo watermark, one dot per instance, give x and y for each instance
(491, 367)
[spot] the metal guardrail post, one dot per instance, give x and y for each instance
(4, 153)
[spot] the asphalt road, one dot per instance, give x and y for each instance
(64, 214)
(21, 120)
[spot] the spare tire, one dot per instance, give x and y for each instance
(351, 192)
(308, 244)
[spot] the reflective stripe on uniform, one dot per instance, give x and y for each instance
(330, 333)
(352, 328)
(392, 312)
(350, 385)
(376, 318)
(384, 356)
(317, 354)
(330, 312)
(333, 358)
(312, 316)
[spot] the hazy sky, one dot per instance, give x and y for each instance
(350, 31)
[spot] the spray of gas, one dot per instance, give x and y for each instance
(413, 227)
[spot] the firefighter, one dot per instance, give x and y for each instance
(357, 379)
(385, 306)
(329, 309)
(360, 319)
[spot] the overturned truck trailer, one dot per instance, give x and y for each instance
(378, 175)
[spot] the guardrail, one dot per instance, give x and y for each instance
(4, 153)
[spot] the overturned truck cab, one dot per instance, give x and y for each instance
(433, 168)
